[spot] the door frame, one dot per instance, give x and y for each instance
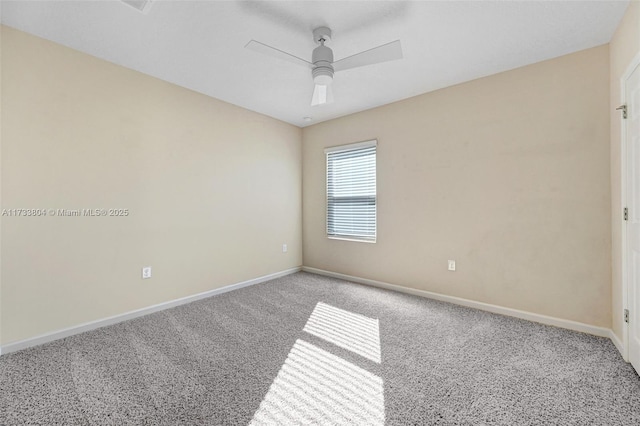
(624, 185)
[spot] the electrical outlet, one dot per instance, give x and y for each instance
(452, 265)
(146, 272)
(284, 248)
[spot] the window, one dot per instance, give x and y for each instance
(351, 191)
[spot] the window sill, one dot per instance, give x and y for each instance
(356, 240)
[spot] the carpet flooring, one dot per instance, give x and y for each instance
(306, 349)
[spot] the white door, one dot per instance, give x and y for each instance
(632, 129)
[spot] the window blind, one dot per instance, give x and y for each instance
(351, 191)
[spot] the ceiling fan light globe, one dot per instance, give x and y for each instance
(321, 95)
(323, 80)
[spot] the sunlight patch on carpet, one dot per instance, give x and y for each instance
(354, 332)
(316, 387)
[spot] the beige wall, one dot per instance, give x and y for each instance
(214, 190)
(508, 175)
(624, 45)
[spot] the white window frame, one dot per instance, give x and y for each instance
(350, 147)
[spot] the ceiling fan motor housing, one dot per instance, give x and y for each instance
(322, 69)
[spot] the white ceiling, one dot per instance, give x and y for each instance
(200, 44)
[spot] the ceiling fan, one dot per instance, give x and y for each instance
(322, 65)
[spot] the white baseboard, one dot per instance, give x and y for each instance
(543, 319)
(617, 343)
(60, 334)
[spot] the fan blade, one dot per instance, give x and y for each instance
(256, 46)
(322, 95)
(386, 52)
